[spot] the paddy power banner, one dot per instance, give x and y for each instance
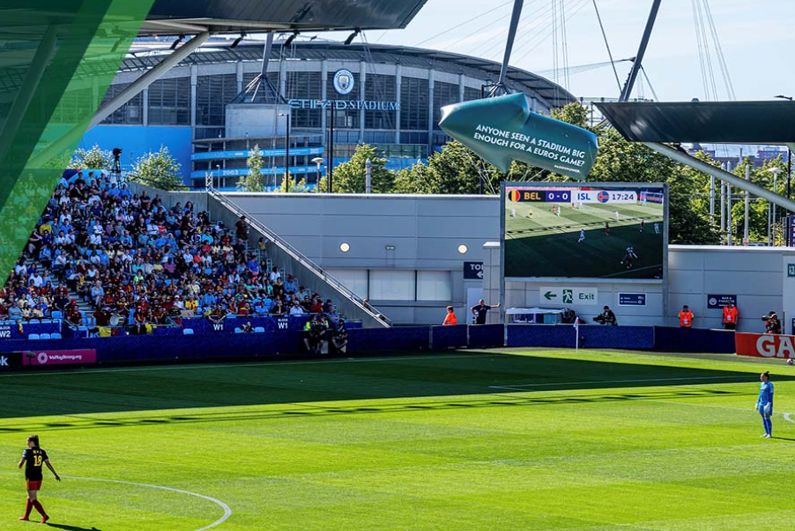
(765, 345)
(504, 129)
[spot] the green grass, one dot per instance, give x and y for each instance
(546, 244)
(493, 440)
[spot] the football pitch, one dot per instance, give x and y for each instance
(539, 243)
(475, 440)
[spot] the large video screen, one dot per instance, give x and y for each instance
(613, 232)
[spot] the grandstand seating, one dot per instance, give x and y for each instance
(103, 257)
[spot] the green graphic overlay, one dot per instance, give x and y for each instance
(56, 62)
(504, 129)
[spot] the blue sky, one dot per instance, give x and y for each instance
(757, 39)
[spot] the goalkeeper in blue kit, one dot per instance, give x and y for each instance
(764, 404)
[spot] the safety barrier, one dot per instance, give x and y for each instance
(401, 338)
(443, 337)
(277, 343)
(693, 340)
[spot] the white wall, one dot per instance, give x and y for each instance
(386, 233)
(425, 232)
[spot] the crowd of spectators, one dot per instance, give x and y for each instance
(138, 263)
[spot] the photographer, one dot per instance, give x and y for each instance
(772, 324)
(607, 317)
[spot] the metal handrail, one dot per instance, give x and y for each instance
(304, 260)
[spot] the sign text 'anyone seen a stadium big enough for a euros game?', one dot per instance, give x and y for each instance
(504, 129)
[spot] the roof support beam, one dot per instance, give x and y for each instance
(26, 92)
(137, 86)
(725, 176)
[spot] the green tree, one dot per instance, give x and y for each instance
(94, 158)
(254, 181)
(289, 186)
(158, 169)
(349, 177)
(758, 208)
(572, 113)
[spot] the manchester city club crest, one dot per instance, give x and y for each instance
(343, 81)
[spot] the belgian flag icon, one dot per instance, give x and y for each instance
(514, 195)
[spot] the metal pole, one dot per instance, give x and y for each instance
(287, 152)
(638, 62)
(773, 225)
(722, 212)
(330, 154)
(515, 15)
(368, 177)
(730, 225)
(712, 199)
(789, 171)
(747, 204)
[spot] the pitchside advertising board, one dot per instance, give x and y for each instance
(46, 358)
(765, 345)
(596, 233)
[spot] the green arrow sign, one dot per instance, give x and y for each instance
(549, 295)
(504, 129)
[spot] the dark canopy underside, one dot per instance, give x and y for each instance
(746, 122)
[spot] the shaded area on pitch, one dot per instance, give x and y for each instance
(273, 383)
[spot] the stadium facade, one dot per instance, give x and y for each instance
(383, 95)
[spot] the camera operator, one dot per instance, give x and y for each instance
(607, 317)
(772, 324)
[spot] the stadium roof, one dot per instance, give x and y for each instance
(215, 52)
(258, 15)
(747, 122)
(175, 17)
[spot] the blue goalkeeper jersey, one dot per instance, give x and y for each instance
(765, 398)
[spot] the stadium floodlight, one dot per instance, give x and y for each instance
(350, 38)
(290, 39)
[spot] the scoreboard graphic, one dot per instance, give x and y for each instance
(574, 195)
(612, 231)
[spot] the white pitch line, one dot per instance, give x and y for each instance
(236, 365)
(219, 503)
(788, 418)
(227, 510)
(528, 387)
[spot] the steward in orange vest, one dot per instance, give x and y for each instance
(450, 318)
(730, 316)
(685, 317)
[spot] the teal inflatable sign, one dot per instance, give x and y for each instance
(504, 129)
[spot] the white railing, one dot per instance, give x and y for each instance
(299, 257)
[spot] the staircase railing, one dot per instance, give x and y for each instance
(300, 258)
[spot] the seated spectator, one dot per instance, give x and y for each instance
(296, 309)
(290, 286)
(247, 328)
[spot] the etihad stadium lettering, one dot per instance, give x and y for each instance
(369, 105)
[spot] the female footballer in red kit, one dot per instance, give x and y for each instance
(33, 459)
